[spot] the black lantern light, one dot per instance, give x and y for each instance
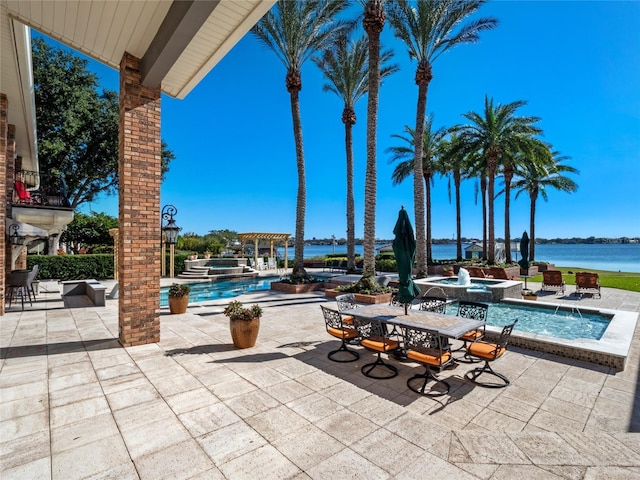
(14, 235)
(170, 229)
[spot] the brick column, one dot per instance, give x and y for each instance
(138, 251)
(6, 250)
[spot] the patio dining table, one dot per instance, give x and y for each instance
(446, 325)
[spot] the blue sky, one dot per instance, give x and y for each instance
(576, 64)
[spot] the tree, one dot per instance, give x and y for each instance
(77, 125)
(294, 31)
(90, 232)
(431, 148)
(429, 28)
(543, 169)
(373, 23)
(458, 167)
(345, 65)
(496, 135)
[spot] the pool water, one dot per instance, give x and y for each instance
(476, 283)
(201, 292)
(569, 325)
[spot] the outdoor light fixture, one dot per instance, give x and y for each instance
(169, 237)
(14, 235)
(170, 230)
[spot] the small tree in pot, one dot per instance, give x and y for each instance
(244, 323)
(178, 297)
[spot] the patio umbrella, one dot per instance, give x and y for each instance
(404, 248)
(524, 251)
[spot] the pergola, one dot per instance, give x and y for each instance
(255, 237)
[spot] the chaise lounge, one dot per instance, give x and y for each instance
(552, 281)
(587, 282)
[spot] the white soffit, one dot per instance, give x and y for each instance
(104, 30)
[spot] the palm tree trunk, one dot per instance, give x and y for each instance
(508, 175)
(532, 222)
(456, 181)
(301, 202)
(418, 178)
(351, 240)
(492, 164)
(373, 22)
(427, 195)
(483, 192)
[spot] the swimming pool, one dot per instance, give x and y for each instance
(563, 323)
(204, 291)
(605, 341)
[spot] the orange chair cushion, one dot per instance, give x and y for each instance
(472, 336)
(380, 345)
(429, 359)
(347, 319)
(347, 333)
(485, 350)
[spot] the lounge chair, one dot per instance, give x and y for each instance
(498, 272)
(587, 282)
(552, 281)
(477, 272)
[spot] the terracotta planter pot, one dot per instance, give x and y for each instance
(244, 333)
(178, 304)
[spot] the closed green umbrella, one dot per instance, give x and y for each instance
(404, 248)
(524, 251)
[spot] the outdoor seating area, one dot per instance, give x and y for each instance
(424, 336)
(70, 392)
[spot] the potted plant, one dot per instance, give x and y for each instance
(207, 254)
(192, 256)
(447, 271)
(244, 323)
(529, 295)
(178, 297)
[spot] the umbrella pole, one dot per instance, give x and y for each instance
(406, 309)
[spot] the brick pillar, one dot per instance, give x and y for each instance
(138, 251)
(6, 250)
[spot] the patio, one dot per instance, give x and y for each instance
(71, 398)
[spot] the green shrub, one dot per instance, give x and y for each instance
(72, 267)
(386, 265)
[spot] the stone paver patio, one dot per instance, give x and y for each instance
(74, 404)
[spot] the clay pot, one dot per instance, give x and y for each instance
(244, 333)
(178, 304)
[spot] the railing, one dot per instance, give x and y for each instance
(39, 190)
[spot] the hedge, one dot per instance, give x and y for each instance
(72, 267)
(76, 267)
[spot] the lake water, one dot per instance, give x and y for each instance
(613, 257)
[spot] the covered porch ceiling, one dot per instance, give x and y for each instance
(179, 42)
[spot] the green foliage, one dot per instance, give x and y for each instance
(77, 124)
(179, 290)
(90, 231)
(72, 267)
(235, 311)
(386, 265)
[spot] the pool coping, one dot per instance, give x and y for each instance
(611, 350)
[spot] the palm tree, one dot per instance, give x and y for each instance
(373, 23)
(543, 170)
(496, 135)
(345, 65)
(430, 28)
(457, 167)
(294, 31)
(431, 145)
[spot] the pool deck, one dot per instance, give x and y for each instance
(74, 404)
